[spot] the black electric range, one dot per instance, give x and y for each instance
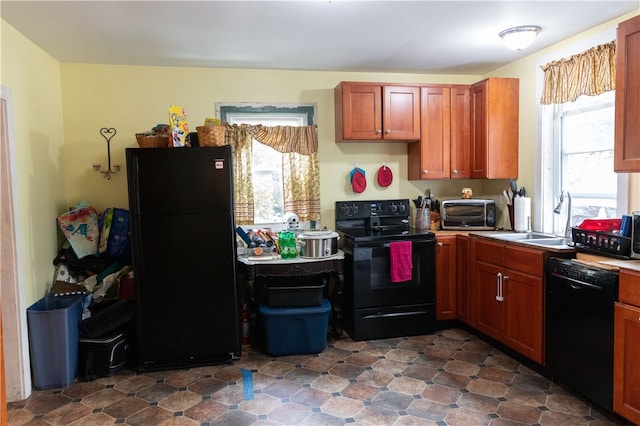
(375, 304)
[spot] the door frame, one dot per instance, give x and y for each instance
(17, 371)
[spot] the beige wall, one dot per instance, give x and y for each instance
(59, 109)
(527, 69)
(134, 99)
(33, 78)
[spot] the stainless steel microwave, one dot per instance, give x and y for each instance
(468, 214)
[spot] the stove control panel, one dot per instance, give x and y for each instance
(346, 210)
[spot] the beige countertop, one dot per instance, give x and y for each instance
(607, 262)
(584, 258)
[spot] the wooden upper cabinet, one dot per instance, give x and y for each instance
(443, 149)
(401, 117)
(371, 111)
(494, 128)
(627, 127)
(460, 132)
(429, 157)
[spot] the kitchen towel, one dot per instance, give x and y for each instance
(358, 180)
(385, 176)
(400, 260)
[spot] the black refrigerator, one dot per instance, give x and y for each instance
(184, 256)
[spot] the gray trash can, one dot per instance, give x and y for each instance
(54, 333)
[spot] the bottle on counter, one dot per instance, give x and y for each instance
(287, 244)
(292, 244)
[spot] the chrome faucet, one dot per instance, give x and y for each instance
(557, 210)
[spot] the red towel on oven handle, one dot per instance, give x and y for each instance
(400, 261)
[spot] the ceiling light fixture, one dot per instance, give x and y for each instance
(517, 38)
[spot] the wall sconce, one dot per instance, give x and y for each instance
(518, 38)
(107, 134)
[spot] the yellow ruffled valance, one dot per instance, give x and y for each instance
(300, 139)
(592, 72)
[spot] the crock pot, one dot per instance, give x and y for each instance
(318, 244)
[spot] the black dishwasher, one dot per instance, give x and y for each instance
(579, 328)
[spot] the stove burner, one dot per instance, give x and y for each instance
(380, 220)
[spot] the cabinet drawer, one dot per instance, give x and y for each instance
(489, 252)
(629, 287)
(512, 256)
(529, 261)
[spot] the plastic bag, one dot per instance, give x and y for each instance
(80, 227)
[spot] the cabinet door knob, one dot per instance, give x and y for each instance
(387, 131)
(378, 131)
(439, 244)
(455, 172)
(425, 172)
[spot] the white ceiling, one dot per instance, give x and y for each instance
(432, 37)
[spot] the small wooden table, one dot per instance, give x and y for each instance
(270, 268)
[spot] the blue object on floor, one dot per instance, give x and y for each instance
(247, 384)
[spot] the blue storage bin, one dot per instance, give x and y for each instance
(54, 333)
(290, 331)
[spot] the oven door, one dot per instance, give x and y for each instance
(371, 275)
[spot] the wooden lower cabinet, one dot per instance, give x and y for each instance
(489, 310)
(446, 277)
(463, 284)
(507, 295)
(626, 361)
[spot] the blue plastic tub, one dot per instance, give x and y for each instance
(54, 334)
(298, 330)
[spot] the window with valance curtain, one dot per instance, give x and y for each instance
(301, 170)
(577, 138)
(590, 73)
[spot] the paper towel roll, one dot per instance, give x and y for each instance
(522, 214)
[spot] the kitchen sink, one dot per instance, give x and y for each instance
(557, 241)
(523, 236)
(534, 238)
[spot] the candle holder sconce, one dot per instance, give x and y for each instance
(107, 134)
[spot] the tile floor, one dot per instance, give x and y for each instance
(448, 378)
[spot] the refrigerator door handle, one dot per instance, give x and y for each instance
(137, 248)
(136, 184)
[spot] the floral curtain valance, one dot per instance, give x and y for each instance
(592, 72)
(300, 139)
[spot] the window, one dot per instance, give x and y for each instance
(580, 152)
(266, 162)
